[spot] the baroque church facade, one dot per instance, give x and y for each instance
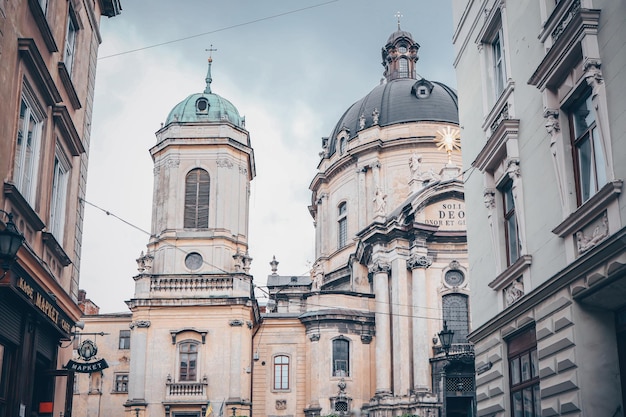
(359, 335)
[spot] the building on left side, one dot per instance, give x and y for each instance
(48, 55)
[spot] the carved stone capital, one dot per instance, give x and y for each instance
(419, 261)
(379, 267)
(314, 337)
(139, 324)
(366, 338)
(593, 73)
(236, 323)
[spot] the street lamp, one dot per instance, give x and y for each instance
(445, 336)
(10, 241)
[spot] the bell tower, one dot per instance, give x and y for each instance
(193, 308)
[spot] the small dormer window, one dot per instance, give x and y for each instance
(422, 88)
(202, 105)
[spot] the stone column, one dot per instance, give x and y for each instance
(400, 324)
(383, 330)
(418, 263)
(138, 351)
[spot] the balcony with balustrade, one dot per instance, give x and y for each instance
(186, 391)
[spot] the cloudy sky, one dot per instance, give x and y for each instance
(291, 68)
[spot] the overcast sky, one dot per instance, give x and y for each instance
(290, 67)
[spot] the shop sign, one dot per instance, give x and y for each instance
(43, 302)
(87, 359)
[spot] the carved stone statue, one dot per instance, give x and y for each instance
(414, 163)
(380, 203)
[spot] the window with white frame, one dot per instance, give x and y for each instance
(281, 372)
(511, 231)
(499, 68)
(60, 180)
(124, 339)
(341, 357)
(342, 223)
(188, 361)
(29, 131)
(69, 50)
(492, 44)
(121, 383)
(589, 157)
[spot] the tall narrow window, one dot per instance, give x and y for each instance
(589, 159)
(511, 234)
(403, 68)
(342, 231)
(60, 179)
(341, 357)
(70, 41)
(524, 375)
(197, 199)
(188, 359)
(124, 341)
(499, 70)
(27, 150)
(281, 372)
(456, 316)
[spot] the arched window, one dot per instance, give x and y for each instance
(342, 232)
(188, 360)
(341, 357)
(342, 145)
(281, 372)
(456, 316)
(197, 199)
(403, 68)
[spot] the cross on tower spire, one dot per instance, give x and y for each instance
(398, 15)
(208, 78)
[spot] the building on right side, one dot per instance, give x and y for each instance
(541, 87)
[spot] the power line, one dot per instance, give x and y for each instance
(221, 29)
(108, 213)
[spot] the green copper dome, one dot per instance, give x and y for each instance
(205, 107)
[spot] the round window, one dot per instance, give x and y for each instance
(193, 261)
(402, 49)
(454, 278)
(202, 104)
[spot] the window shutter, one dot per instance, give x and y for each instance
(197, 187)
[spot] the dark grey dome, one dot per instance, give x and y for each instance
(399, 101)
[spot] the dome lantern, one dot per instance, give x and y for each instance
(400, 55)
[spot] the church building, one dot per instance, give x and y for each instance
(365, 333)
